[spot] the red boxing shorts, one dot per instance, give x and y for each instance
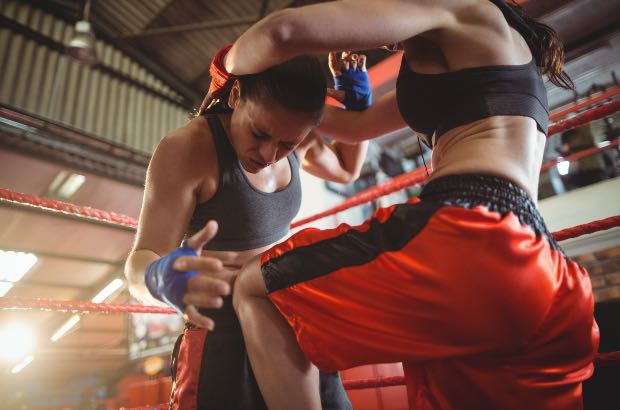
(465, 286)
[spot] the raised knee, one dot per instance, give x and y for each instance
(240, 291)
(249, 284)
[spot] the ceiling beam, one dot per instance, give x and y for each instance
(182, 28)
(203, 25)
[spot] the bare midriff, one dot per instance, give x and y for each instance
(234, 260)
(510, 147)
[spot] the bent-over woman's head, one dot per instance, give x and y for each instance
(273, 111)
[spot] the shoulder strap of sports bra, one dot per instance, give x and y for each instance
(225, 152)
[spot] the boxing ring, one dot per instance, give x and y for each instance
(96, 216)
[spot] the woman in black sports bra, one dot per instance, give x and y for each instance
(465, 286)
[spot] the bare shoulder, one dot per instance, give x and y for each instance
(186, 154)
(479, 35)
(187, 141)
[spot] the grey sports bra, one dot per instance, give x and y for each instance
(247, 217)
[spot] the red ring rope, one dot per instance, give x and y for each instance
(7, 303)
(579, 230)
(396, 184)
(10, 303)
(581, 154)
(584, 118)
(88, 213)
(594, 99)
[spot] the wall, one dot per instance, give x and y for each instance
(117, 100)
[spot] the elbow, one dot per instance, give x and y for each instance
(351, 176)
(281, 27)
(348, 177)
(354, 176)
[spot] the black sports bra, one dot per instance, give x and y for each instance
(435, 103)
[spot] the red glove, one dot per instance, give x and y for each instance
(221, 80)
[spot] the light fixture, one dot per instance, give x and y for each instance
(71, 185)
(19, 367)
(5, 287)
(65, 185)
(16, 342)
(563, 167)
(68, 325)
(13, 267)
(82, 45)
(603, 144)
(108, 290)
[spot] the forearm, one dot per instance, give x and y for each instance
(135, 268)
(263, 45)
(354, 126)
(334, 25)
(344, 126)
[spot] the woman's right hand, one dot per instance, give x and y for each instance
(187, 281)
(213, 281)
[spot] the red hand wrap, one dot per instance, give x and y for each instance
(221, 80)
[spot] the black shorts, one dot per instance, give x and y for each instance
(211, 370)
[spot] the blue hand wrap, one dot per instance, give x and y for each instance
(167, 284)
(356, 87)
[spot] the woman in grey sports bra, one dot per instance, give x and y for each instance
(238, 164)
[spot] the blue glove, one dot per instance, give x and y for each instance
(167, 284)
(356, 87)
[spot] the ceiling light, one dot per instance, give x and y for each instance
(5, 287)
(16, 342)
(563, 167)
(108, 290)
(18, 368)
(71, 185)
(62, 330)
(14, 265)
(65, 185)
(603, 144)
(82, 45)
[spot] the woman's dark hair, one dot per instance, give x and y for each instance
(298, 85)
(546, 48)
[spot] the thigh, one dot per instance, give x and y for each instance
(417, 281)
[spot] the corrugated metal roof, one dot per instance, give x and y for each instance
(186, 52)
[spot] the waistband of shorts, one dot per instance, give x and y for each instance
(495, 193)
